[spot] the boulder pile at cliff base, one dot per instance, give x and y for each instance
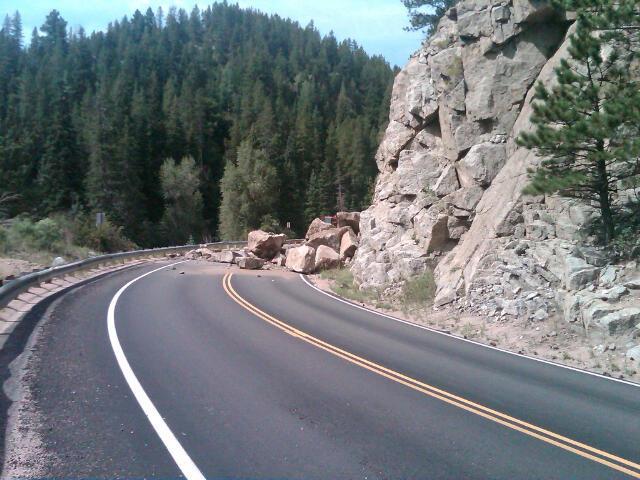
(325, 247)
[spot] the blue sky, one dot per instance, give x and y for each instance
(377, 25)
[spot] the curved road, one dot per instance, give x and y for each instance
(258, 375)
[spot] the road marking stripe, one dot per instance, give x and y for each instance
(177, 452)
(481, 410)
(443, 392)
(433, 330)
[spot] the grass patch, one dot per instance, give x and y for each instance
(384, 306)
(419, 291)
(344, 285)
(468, 331)
(416, 293)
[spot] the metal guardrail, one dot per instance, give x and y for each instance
(10, 290)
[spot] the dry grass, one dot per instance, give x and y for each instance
(419, 291)
(343, 283)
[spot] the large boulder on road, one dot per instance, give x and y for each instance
(250, 263)
(279, 260)
(349, 219)
(348, 244)
(326, 258)
(317, 226)
(198, 253)
(225, 256)
(330, 238)
(301, 259)
(264, 244)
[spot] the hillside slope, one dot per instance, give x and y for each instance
(87, 120)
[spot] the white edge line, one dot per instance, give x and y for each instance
(423, 327)
(180, 456)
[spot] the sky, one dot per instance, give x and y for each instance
(377, 25)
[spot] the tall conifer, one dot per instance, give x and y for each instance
(586, 124)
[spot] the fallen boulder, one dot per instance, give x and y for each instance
(301, 259)
(199, 253)
(317, 226)
(225, 256)
(348, 244)
(279, 260)
(326, 258)
(349, 219)
(250, 263)
(264, 244)
(330, 238)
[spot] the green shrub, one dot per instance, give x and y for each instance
(107, 238)
(47, 234)
(3, 240)
(24, 235)
(626, 243)
(60, 235)
(269, 223)
(21, 234)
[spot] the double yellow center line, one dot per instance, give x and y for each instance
(617, 463)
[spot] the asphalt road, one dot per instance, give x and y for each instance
(261, 376)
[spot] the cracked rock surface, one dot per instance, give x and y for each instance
(449, 193)
(453, 111)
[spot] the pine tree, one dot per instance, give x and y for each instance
(249, 190)
(586, 125)
(321, 194)
(182, 219)
(313, 201)
(292, 197)
(231, 186)
(59, 172)
(420, 19)
(59, 175)
(113, 181)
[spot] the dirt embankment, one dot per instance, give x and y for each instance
(14, 267)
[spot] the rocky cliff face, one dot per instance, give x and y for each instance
(453, 112)
(448, 195)
(449, 192)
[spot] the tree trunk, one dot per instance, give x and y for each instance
(605, 205)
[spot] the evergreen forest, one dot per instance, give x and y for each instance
(188, 125)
